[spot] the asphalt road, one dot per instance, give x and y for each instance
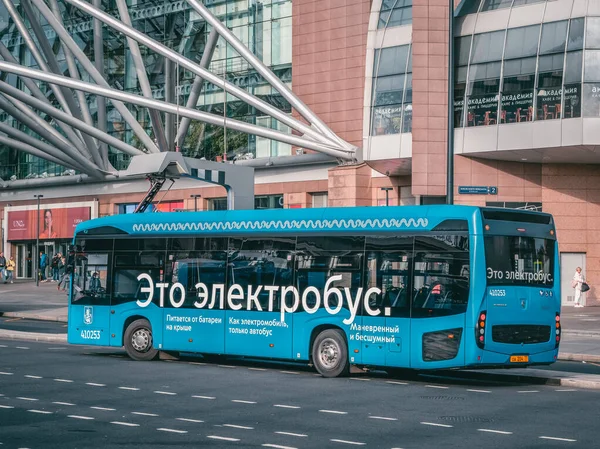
(60, 396)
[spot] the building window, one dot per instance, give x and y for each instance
(395, 13)
(165, 206)
(217, 204)
(517, 96)
(491, 5)
(320, 199)
(268, 202)
(392, 91)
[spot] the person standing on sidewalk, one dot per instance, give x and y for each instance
(576, 284)
(43, 264)
(10, 270)
(3, 267)
(54, 265)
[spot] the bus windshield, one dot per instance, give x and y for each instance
(519, 260)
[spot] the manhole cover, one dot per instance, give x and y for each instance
(466, 419)
(444, 398)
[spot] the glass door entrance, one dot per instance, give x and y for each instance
(25, 261)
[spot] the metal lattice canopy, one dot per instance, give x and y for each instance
(73, 140)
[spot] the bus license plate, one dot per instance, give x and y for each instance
(519, 358)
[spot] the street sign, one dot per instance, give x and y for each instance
(478, 190)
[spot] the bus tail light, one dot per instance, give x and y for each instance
(480, 329)
(558, 330)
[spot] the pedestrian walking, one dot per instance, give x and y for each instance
(54, 265)
(2, 267)
(43, 264)
(10, 270)
(577, 283)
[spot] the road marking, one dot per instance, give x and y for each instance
(164, 429)
(168, 393)
(197, 363)
(190, 420)
(29, 376)
(68, 381)
(567, 389)
(6, 406)
(128, 424)
(277, 446)
(528, 391)
(63, 403)
(91, 384)
(478, 391)
(204, 397)
(21, 347)
(239, 401)
(355, 443)
(57, 349)
(558, 439)
(501, 432)
(227, 366)
(436, 386)
(105, 409)
(41, 412)
(286, 406)
(144, 414)
(12, 319)
(289, 372)
(216, 437)
(335, 412)
(361, 379)
(80, 417)
(27, 399)
(6, 374)
(258, 369)
(299, 435)
(395, 382)
(3, 346)
(435, 424)
(235, 426)
(383, 418)
(129, 388)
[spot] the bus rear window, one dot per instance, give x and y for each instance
(519, 261)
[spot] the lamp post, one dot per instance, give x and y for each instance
(387, 197)
(450, 153)
(37, 243)
(196, 196)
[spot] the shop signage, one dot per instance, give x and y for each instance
(55, 223)
(477, 190)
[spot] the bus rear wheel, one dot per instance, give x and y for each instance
(138, 341)
(330, 353)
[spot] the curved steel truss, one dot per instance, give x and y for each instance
(72, 139)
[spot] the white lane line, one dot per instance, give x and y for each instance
(355, 443)
(30, 376)
(235, 426)
(290, 434)
(144, 414)
(68, 381)
(105, 409)
(80, 417)
(395, 382)
(168, 393)
(216, 437)
(197, 363)
(204, 397)
(383, 418)
(360, 378)
(567, 389)
(1, 395)
(92, 384)
(164, 429)
(479, 391)
(436, 386)
(335, 412)
(127, 424)
(27, 399)
(558, 439)
(189, 420)
(258, 369)
(286, 406)
(129, 388)
(277, 446)
(289, 372)
(435, 424)
(528, 391)
(57, 349)
(3, 346)
(6, 406)
(41, 412)
(21, 347)
(501, 432)
(64, 403)
(226, 366)
(239, 401)
(6, 374)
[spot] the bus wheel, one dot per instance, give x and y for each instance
(330, 353)
(138, 341)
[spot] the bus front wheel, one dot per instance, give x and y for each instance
(330, 353)
(138, 341)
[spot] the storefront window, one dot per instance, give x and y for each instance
(591, 100)
(549, 92)
(387, 120)
(517, 93)
(483, 88)
(572, 90)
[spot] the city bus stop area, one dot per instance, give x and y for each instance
(39, 313)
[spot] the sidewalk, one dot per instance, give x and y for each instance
(580, 342)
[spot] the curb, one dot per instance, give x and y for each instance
(32, 336)
(33, 316)
(569, 357)
(578, 333)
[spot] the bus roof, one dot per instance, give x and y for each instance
(277, 221)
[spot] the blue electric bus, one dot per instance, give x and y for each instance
(421, 287)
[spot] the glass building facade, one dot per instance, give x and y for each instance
(264, 26)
